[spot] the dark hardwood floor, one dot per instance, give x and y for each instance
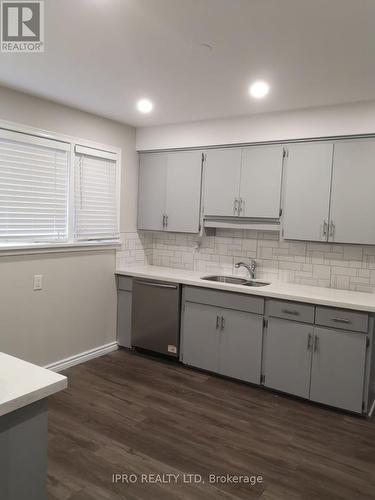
(128, 414)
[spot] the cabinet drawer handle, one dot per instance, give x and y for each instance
(289, 311)
(342, 320)
(222, 323)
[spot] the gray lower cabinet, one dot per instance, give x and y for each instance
(287, 356)
(321, 364)
(201, 336)
(338, 368)
(240, 349)
(124, 310)
(124, 316)
(223, 341)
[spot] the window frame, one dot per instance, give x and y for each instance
(14, 248)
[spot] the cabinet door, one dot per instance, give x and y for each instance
(201, 336)
(221, 181)
(287, 356)
(124, 316)
(241, 345)
(338, 366)
(352, 199)
(183, 191)
(151, 192)
(306, 196)
(260, 186)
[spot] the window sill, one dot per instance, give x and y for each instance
(41, 248)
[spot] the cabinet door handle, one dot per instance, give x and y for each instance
(332, 230)
(163, 221)
(217, 322)
(222, 323)
(342, 320)
(289, 311)
(235, 206)
(316, 343)
(241, 206)
(325, 228)
(309, 339)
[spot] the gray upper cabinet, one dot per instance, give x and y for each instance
(240, 350)
(169, 191)
(306, 197)
(243, 182)
(338, 368)
(184, 174)
(152, 191)
(260, 186)
(287, 356)
(222, 173)
(352, 201)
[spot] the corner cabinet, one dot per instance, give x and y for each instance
(222, 335)
(328, 192)
(170, 191)
(324, 364)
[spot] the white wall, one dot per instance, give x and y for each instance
(358, 118)
(28, 110)
(76, 310)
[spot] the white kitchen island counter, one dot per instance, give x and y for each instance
(345, 299)
(24, 389)
(22, 383)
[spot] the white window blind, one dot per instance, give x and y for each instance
(33, 189)
(96, 195)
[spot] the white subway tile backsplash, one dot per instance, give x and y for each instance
(349, 267)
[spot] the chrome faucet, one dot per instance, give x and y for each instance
(251, 268)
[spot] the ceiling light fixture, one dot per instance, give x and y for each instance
(259, 89)
(144, 106)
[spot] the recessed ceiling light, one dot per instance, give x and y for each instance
(259, 89)
(145, 105)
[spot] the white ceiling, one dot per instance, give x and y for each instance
(102, 55)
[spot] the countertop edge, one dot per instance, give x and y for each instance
(260, 292)
(27, 399)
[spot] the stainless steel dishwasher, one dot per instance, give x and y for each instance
(156, 316)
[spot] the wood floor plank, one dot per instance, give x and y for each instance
(129, 414)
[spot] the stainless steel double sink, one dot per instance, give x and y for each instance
(234, 280)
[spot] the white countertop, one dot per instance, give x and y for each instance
(345, 299)
(23, 383)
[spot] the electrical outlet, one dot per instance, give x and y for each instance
(38, 282)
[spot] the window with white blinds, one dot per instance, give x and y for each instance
(33, 189)
(96, 195)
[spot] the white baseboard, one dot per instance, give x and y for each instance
(63, 364)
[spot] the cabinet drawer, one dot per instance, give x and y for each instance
(342, 318)
(229, 300)
(291, 310)
(125, 283)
